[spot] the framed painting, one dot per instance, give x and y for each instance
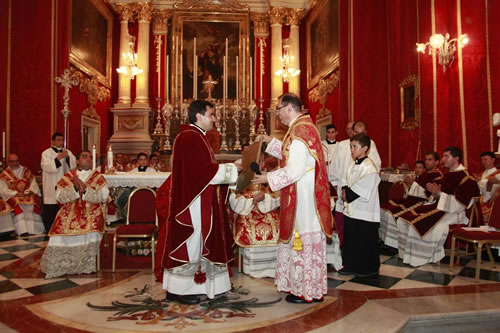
(322, 29)
(211, 31)
(409, 93)
(90, 38)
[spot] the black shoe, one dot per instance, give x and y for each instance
(330, 268)
(318, 300)
(345, 271)
(183, 299)
(25, 235)
(365, 275)
(295, 299)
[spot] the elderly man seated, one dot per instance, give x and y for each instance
(76, 233)
(18, 187)
(256, 227)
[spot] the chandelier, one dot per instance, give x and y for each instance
(444, 47)
(287, 71)
(128, 66)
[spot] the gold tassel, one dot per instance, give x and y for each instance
(297, 242)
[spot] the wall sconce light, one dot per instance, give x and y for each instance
(444, 47)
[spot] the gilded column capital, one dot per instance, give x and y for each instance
(160, 21)
(276, 15)
(261, 24)
(125, 10)
(144, 11)
(294, 16)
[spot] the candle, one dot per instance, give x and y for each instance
(237, 79)
(3, 145)
(168, 79)
(93, 156)
(226, 58)
(224, 82)
(251, 78)
(195, 72)
(182, 74)
(176, 65)
(110, 158)
(243, 70)
(159, 69)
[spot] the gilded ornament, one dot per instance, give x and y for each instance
(321, 91)
(160, 21)
(211, 5)
(94, 93)
(294, 16)
(125, 10)
(277, 15)
(131, 123)
(261, 24)
(144, 11)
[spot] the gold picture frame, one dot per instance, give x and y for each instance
(90, 39)
(322, 30)
(409, 93)
(238, 24)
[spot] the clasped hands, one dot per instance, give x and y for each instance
(434, 188)
(79, 186)
(258, 197)
(62, 155)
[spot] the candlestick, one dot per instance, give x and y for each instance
(182, 74)
(110, 158)
(225, 65)
(251, 79)
(159, 65)
(176, 66)
(243, 69)
(93, 156)
(224, 83)
(168, 80)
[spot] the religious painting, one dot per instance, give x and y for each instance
(210, 49)
(211, 32)
(91, 25)
(322, 28)
(409, 91)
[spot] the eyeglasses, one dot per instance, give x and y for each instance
(280, 107)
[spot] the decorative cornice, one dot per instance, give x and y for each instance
(160, 21)
(94, 93)
(321, 91)
(211, 5)
(126, 11)
(261, 24)
(294, 16)
(144, 11)
(276, 15)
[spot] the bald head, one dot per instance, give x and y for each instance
(348, 129)
(359, 127)
(13, 161)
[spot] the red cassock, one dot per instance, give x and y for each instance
(193, 167)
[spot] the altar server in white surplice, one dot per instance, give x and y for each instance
(56, 161)
(361, 212)
(142, 164)
(19, 189)
(342, 160)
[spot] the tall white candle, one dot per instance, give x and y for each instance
(226, 77)
(224, 82)
(159, 70)
(237, 79)
(176, 65)
(251, 78)
(93, 156)
(168, 79)
(181, 76)
(261, 72)
(110, 158)
(195, 72)
(244, 65)
(3, 144)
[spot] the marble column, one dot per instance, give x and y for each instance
(126, 13)
(293, 18)
(276, 18)
(144, 14)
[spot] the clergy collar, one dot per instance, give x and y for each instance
(56, 149)
(460, 167)
(142, 168)
(198, 127)
(330, 142)
(360, 160)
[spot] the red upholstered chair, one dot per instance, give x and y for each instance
(142, 220)
(397, 191)
(479, 238)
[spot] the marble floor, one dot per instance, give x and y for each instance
(400, 299)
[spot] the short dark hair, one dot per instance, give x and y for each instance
(488, 153)
(434, 154)
(331, 126)
(80, 154)
(292, 99)
(360, 122)
(420, 162)
(363, 139)
(196, 107)
(142, 154)
(56, 134)
(455, 152)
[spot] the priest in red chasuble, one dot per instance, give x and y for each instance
(18, 187)
(306, 215)
(77, 230)
(199, 242)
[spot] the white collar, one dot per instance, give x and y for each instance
(198, 127)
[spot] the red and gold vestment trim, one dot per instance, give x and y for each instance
(20, 185)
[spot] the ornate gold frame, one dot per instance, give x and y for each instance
(334, 63)
(409, 91)
(104, 78)
(224, 13)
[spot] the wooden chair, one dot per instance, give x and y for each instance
(479, 238)
(142, 220)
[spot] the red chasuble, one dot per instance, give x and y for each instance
(456, 183)
(396, 207)
(193, 167)
(20, 185)
(304, 129)
(79, 217)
